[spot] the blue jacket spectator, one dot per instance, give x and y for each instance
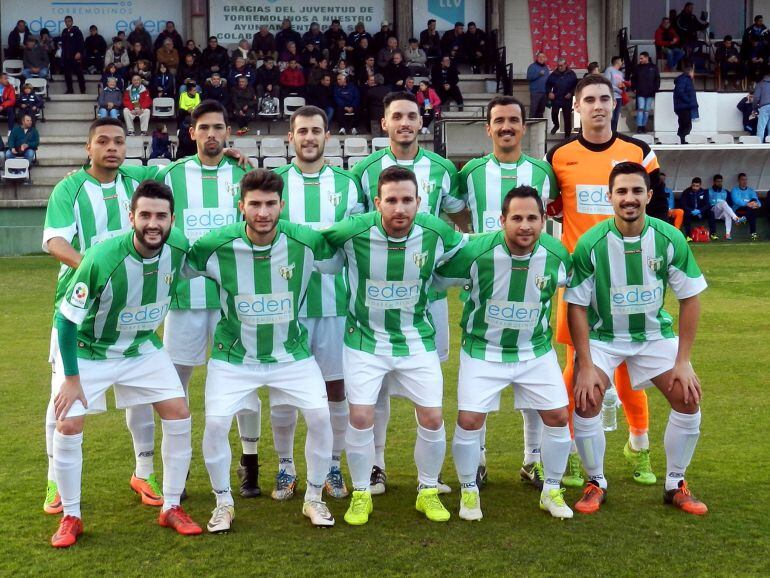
(685, 102)
(164, 83)
(537, 76)
(746, 201)
(347, 101)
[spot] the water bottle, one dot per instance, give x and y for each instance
(610, 409)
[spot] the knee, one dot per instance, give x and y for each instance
(430, 418)
(361, 417)
(471, 421)
(555, 417)
(69, 427)
(173, 409)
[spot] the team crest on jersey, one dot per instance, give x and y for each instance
(168, 278)
(541, 281)
(420, 258)
(655, 263)
(335, 198)
(428, 186)
(287, 271)
(233, 189)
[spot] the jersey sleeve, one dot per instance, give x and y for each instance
(340, 232)
(451, 200)
(550, 190)
(359, 173)
(565, 271)
(197, 259)
(684, 275)
(60, 215)
(580, 287)
(453, 240)
(456, 270)
(326, 259)
(82, 290)
(355, 189)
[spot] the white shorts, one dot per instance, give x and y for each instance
(416, 377)
(325, 336)
(143, 379)
(644, 360)
(187, 334)
(537, 383)
(53, 346)
(439, 312)
(231, 388)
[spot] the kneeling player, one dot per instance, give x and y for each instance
(118, 297)
(512, 275)
(615, 296)
(263, 269)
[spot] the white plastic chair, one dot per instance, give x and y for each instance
(247, 146)
(274, 162)
(13, 67)
(335, 161)
(667, 138)
(162, 107)
(356, 146)
(292, 103)
(39, 85)
(333, 147)
(160, 162)
(15, 83)
(254, 162)
(696, 139)
(16, 169)
(748, 139)
(292, 150)
(135, 148)
(380, 142)
(722, 138)
(273, 147)
(133, 162)
(353, 161)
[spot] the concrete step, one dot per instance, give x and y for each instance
(24, 192)
(69, 107)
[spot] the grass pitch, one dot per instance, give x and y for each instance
(633, 535)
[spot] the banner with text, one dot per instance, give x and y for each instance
(559, 29)
(446, 13)
(231, 20)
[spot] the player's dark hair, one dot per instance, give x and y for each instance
(103, 122)
(396, 174)
(261, 180)
(718, 176)
(741, 175)
(505, 100)
(523, 192)
(616, 59)
(590, 80)
(392, 97)
(696, 180)
(152, 190)
(629, 168)
(205, 107)
(309, 111)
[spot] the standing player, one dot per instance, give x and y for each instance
(582, 166)
(318, 195)
(106, 322)
(85, 208)
(512, 275)
(206, 194)
(621, 269)
(484, 182)
(391, 255)
(437, 189)
(263, 267)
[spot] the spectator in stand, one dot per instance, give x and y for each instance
(728, 58)
(614, 74)
(339, 51)
(685, 101)
(168, 55)
(188, 100)
(645, 82)
(216, 89)
(676, 216)
(314, 36)
(374, 93)
(695, 200)
(263, 44)
(241, 68)
(475, 44)
(318, 72)
(396, 72)
(16, 40)
(170, 32)
(746, 202)
(188, 70)
(416, 59)
(320, 94)
(754, 48)
(410, 87)
(668, 43)
(138, 52)
(50, 46)
(537, 76)
(363, 59)
(560, 88)
(268, 79)
(117, 55)
(243, 50)
(446, 80)
(358, 33)
(721, 208)
(289, 53)
(746, 106)
(28, 102)
(593, 68)
(214, 58)
(385, 54)
(244, 105)
(137, 104)
(23, 140)
(369, 68)
(761, 104)
(96, 47)
(309, 57)
(110, 100)
(35, 59)
(453, 39)
(430, 41)
(160, 147)
(688, 26)
(292, 79)
(8, 102)
(140, 35)
(343, 68)
(285, 35)
(380, 39)
(346, 100)
(164, 82)
(72, 49)
(111, 71)
(144, 69)
(430, 105)
(335, 33)
(191, 48)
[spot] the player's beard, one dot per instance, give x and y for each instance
(302, 154)
(262, 232)
(141, 237)
(210, 151)
(639, 215)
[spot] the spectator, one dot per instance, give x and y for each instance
(244, 51)
(8, 102)
(28, 102)
(685, 101)
(614, 74)
(346, 101)
(385, 55)
(140, 35)
(292, 79)
(268, 79)
(188, 70)
(746, 106)
(537, 76)
(314, 36)
(241, 68)
(416, 59)
(138, 52)
(136, 105)
(363, 60)
(410, 87)
(164, 82)
(453, 39)
(186, 145)
(688, 26)
(35, 58)
(111, 71)
(343, 68)
(16, 40)
(244, 103)
(117, 55)
(96, 47)
(168, 55)
(335, 33)
(746, 202)
(675, 215)
(110, 100)
(160, 147)
(446, 79)
(358, 33)
(374, 95)
(720, 207)
(285, 35)
(339, 51)
(170, 32)
(369, 68)
(216, 89)
(695, 200)
(761, 104)
(475, 46)
(560, 88)
(188, 100)
(380, 39)
(50, 46)
(321, 94)
(396, 72)
(728, 58)
(263, 44)
(754, 48)
(143, 69)
(310, 56)
(430, 41)
(668, 44)
(290, 52)
(430, 105)
(23, 141)
(72, 49)
(645, 81)
(191, 48)
(318, 72)
(214, 58)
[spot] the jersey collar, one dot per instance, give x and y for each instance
(245, 237)
(381, 229)
(499, 163)
(617, 233)
(501, 239)
(597, 148)
(196, 159)
(414, 161)
(129, 240)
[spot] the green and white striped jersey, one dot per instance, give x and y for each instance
(506, 317)
(622, 281)
(84, 212)
(320, 200)
(388, 281)
(205, 198)
(262, 289)
(485, 181)
(119, 299)
(437, 182)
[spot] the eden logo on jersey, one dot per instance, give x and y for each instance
(490, 221)
(198, 222)
(143, 317)
(631, 299)
(392, 294)
(593, 199)
(511, 314)
(267, 308)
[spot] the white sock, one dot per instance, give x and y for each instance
(465, 451)
(140, 420)
(680, 439)
(318, 446)
(483, 445)
(338, 412)
(249, 426)
(381, 419)
(359, 448)
(68, 470)
(556, 446)
(217, 454)
(533, 434)
(283, 420)
(224, 497)
(50, 428)
(185, 375)
(176, 450)
(590, 441)
(429, 451)
(639, 442)
(728, 224)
